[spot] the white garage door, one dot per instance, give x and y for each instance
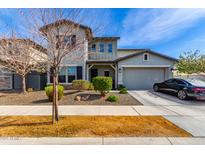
(142, 78)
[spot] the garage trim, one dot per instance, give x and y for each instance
(152, 66)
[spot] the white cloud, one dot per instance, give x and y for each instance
(149, 26)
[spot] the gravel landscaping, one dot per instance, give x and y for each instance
(40, 98)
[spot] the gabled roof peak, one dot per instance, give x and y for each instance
(68, 22)
(144, 51)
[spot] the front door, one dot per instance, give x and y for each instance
(107, 73)
(94, 73)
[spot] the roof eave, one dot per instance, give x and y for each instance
(143, 51)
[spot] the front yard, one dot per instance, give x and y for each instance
(40, 98)
(89, 126)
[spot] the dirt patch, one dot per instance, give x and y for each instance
(90, 126)
(40, 98)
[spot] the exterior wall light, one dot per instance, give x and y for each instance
(120, 70)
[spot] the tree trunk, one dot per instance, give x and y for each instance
(23, 84)
(56, 101)
(53, 105)
(55, 116)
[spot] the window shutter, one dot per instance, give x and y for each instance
(79, 72)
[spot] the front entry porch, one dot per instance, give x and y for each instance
(102, 69)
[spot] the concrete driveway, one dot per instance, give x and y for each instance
(189, 114)
(147, 96)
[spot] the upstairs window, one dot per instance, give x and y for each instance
(93, 47)
(65, 41)
(102, 49)
(146, 57)
(69, 40)
(110, 47)
(73, 40)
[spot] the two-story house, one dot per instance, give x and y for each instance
(100, 56)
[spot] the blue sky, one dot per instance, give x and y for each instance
(168, 31)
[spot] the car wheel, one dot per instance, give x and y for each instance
(156, 88)
(182, 94)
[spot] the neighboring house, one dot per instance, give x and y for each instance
(99, 56)
(34, 79)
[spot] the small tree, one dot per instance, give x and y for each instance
(64, 35)
(17, 56)
(60, 31)
(202, 64)
(189, 63)
(102, 84)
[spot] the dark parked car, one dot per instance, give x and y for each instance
(183, 88)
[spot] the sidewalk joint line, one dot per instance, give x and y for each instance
(173, 111)
(135, 110)
(169, 140)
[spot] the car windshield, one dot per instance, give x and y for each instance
(196, 82)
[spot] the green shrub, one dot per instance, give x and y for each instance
(49, 92)
(80, 84)
(30, 90)
(102, 84)
(112, 98)
(123, 91)
(91, 87)
(121, 87)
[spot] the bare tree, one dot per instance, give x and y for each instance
(60, 32)
(18, 55)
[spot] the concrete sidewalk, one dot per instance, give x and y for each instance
(105, 110)
(188, 115)
(68, 110)
(102, 141)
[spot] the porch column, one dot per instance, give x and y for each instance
(116, 77)
(115, 69)
(88, 69)
(120, 75)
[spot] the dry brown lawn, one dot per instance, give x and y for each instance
(89, 126)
